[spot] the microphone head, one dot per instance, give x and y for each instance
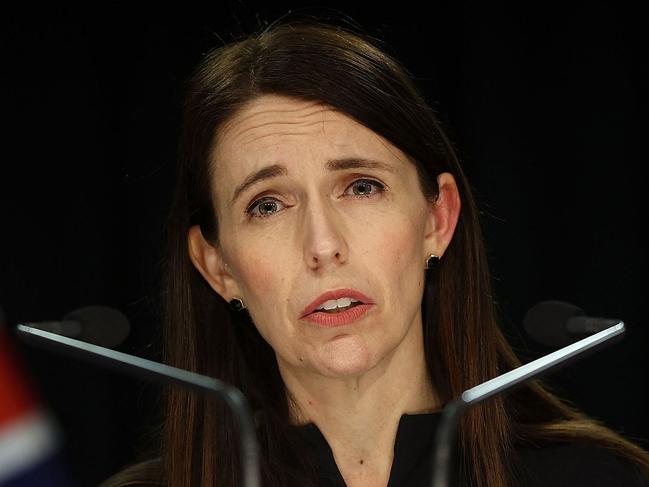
(545, 322)
(101, 325)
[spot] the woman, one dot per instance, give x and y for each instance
(325, 257)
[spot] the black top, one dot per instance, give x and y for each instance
(567, 464)
(558, 465)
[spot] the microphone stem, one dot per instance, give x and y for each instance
(165, 374)
(449, 420)
(445, 437)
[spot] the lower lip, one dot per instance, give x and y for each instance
(331, 320)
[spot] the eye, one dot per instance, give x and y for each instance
(365, 186)
(266, 206)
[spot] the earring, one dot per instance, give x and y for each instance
(237, 304)
(432, 262)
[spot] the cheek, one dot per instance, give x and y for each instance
(260, 266)
(399, 255)
(262, 279)
(263, 283)
(397, 244)
(257, 274)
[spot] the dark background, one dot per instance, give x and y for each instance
(547, 106)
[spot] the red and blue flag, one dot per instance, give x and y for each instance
(30, 443)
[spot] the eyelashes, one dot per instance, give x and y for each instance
(267, 206)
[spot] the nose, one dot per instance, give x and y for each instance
(324, 241)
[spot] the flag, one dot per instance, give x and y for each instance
(30, 443)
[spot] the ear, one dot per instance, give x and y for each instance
(443, 215)
(208, 260)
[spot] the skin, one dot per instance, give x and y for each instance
(319, 233)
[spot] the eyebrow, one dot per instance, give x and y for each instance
(276, 170)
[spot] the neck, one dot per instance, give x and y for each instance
(359, 415)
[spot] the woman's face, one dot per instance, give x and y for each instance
(341, 208)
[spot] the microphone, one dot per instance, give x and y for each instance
(164, 374)
(99, 325)
(558, 323)
(446, 432)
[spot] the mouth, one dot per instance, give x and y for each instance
(338, 309)
(341, 317)
(336, 302)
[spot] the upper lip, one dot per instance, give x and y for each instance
(336, 294)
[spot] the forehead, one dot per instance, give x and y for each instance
(299, 134)
(271, 120)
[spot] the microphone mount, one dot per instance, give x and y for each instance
(165, 374)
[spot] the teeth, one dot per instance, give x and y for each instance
(337, 303)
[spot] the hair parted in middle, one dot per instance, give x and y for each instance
(464, 346)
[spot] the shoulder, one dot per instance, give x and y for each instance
(577, 464)
(143, 474)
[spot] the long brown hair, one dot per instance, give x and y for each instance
(463, 343)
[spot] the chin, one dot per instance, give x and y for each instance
(345, 356)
